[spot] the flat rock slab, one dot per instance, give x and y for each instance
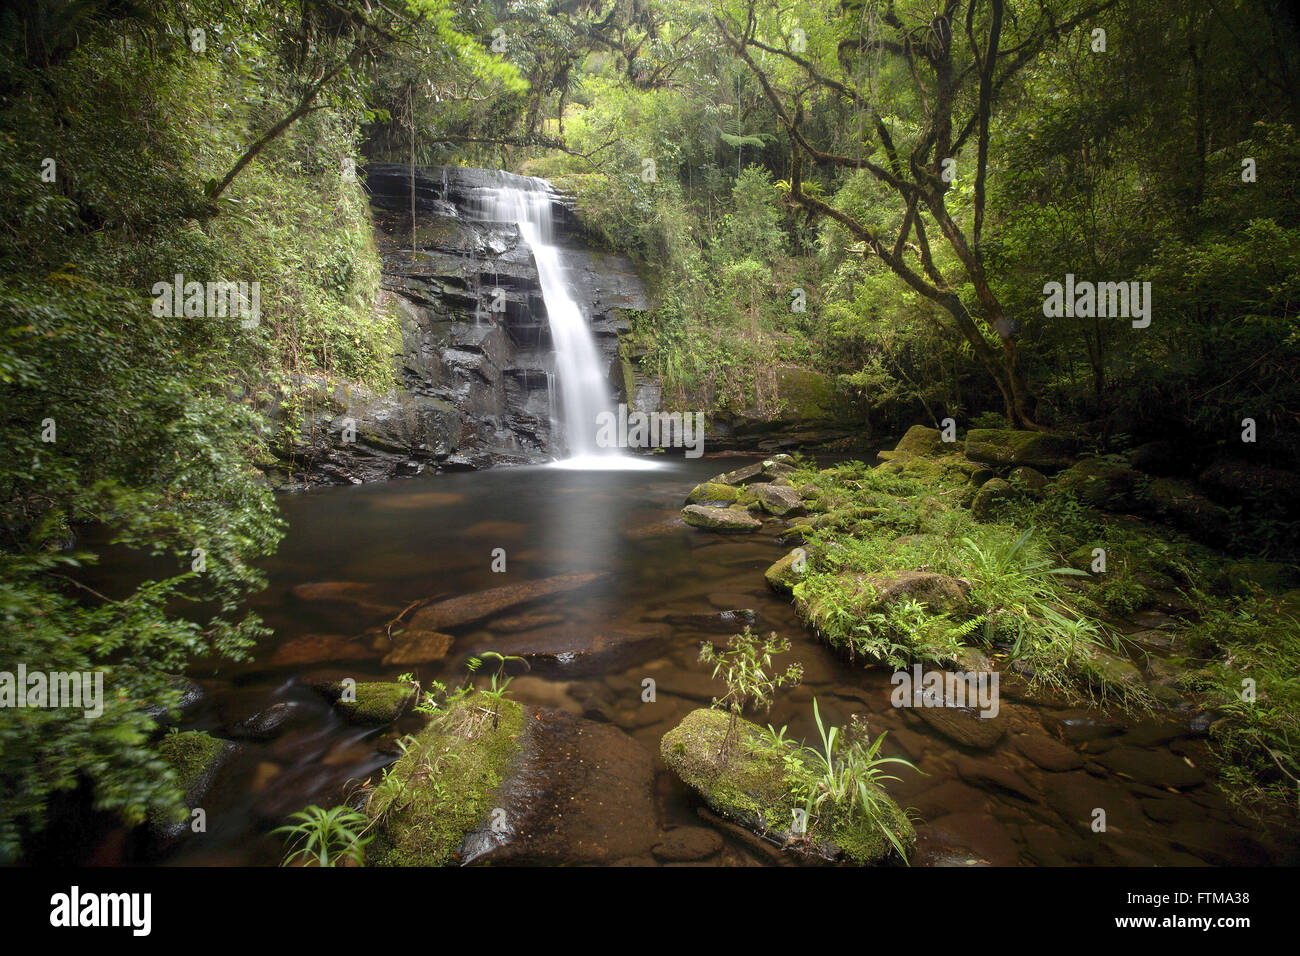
(578, 650)
(1046, 753)
(581, 792)
(413, 646)
(319, 649)
(1155, 768)
(964, 725)
(468, 608)
(687, 844)
(727, 520)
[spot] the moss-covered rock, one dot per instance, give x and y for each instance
(1246, 575)
(784, 574)
(374, 702)
(191, 755)
(782, 501)
(726, 520)
(860, 593)
(755, 788)
(1107, 485)
(1028, 478)
(711, 491)
(1010, 447)
(919, 440)
(442, 786)
(991, 496)
(1177, 503)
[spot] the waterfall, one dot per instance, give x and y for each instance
(584, 393)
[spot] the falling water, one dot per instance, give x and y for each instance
(584, 393)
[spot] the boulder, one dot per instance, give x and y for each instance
(728, 520)
(920, 440)
(784, 502)
(579, 792)
(1107, 485)
(374, 702)
(988, 500)
(1010, 447)
(1257, 487)
(782, 576)
(1047, 753)
(1178, 504)
(712, 491)
(420, 817)
(751, 785)
(1028, 478)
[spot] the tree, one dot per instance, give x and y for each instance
(883, 61)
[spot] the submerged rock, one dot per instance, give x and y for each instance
(752, 787)
(729, 520)
(413, 646)
(468, 608)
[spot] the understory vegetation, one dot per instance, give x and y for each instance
(1048, 584)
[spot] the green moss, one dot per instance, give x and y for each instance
(1005, 446)
(756, 789)
(189, 754)
(443, 786)
(712, 491)
(378, 702)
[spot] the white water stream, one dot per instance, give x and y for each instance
(584, 392)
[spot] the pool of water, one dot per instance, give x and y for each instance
(405, 541)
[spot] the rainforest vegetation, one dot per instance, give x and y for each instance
(876, 191)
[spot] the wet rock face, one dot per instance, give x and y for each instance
(475, 374)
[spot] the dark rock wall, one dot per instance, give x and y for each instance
(476, 385)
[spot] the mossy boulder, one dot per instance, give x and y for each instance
(195, 758)
(1030, 479)
(782, 501)
(857, 594)
(919, 440)
(784, 574)
(371, 703)
(992, 495)
(1248, 574)
(1008, 447)
(726, 520)
(192, 756)
(1107, 485)
(754, 787)
(1178, 504)
(712, 491)
(423, 815)
(769, 469)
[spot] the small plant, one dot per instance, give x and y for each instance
(499, 682)
(847, 777)
(324, 836)
(744, 668)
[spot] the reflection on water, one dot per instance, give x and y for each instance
(354, 557)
